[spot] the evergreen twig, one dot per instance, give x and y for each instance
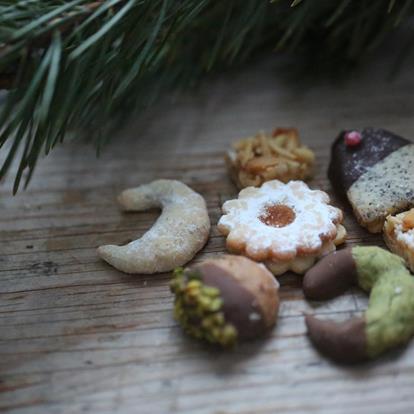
(84, 65)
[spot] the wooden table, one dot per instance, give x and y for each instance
(78, 336)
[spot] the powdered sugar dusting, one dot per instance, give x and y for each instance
(315, 220)
(181, 230)
(404, 236)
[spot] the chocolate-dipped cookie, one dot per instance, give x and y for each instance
(389, 319)
(225, 300)
(374, 170)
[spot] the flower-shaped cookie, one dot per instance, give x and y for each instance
(281, 224)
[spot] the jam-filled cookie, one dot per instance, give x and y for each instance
(286, 226)
(399, 235)
(374, 169)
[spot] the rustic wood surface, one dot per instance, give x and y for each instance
(78, 336)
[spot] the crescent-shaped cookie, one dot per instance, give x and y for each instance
(178, 234)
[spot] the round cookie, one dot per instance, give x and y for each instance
(264, 157)
(225, 300)
(389, 319)
(287, 226)
(373, 169)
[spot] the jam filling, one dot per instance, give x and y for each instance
(277, 215)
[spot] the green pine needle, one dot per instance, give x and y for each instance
(85, 65)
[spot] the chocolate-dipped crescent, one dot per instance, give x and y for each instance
(343, 342)
(389, 319)
(331, 276)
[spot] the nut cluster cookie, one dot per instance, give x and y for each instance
(265, 157)
(399, 235)
(287, 226)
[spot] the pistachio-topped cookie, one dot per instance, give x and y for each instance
(374, 169)
(225, 300)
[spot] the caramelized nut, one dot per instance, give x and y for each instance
(267, 157)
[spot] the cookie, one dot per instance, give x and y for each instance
(225, 300)
(374, 170)
(399, 235)
(389, 320)
(286, 226)
(179, 233)
(266, 157)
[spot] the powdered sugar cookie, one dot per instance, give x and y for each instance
(287, 226)
(399, 235)
(178, 234)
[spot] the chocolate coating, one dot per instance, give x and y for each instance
(250, 299)
(331, 276)
(238, 303)
(343, 342)
(349, 163)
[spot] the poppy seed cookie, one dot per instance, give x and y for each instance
(376, 176)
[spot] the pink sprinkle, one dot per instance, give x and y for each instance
(353, 138)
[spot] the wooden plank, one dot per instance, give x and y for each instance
(78, 336)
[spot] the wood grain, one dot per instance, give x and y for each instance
(78, 336)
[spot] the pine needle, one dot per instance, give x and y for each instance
(86, 65)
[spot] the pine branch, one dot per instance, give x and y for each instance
(84, 65)
(6, 80)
